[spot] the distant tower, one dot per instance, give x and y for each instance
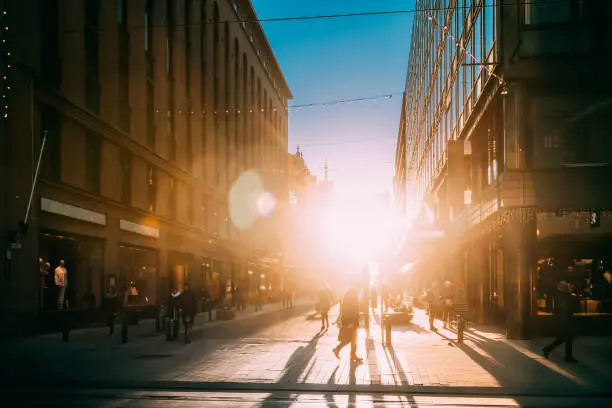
(326, 169)
(298, 153)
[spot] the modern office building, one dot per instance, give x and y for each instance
(505, 134)
(151, 110)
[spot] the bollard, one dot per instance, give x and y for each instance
(175, 329)
(111, 325)
(157, 321)
(210, 312)
(169, 330)
(460, 328)
(65, 327)
(124, 329)
(162, 318)
(386, 323)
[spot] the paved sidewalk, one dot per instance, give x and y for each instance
(289, 354)
(418, 358)
(146, 327)
(148, 357)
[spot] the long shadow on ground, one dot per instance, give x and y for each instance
(514, 369)
(142, 359)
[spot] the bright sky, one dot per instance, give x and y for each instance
(333, 59)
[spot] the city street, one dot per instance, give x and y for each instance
(277, 356)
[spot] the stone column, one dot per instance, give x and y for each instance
(519, 263)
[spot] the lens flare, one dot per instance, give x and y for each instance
(266, 203)
(244, 199)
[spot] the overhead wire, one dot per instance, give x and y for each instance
(328, 16)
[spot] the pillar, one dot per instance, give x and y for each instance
(519, 264)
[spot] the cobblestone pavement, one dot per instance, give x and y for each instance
(288, 353)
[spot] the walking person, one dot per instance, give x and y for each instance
(448, 298)
(430, 299)
(188, 302)
(349, 324)
(564, 321)
(324, 306)
(111, 306)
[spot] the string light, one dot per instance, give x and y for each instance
(251, 111)
(5, 66)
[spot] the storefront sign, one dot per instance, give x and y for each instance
(138, 229)
(71, 211)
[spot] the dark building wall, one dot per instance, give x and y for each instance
(117, 155)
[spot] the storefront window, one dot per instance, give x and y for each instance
(138, 267)
(82, 258)
(586, 266)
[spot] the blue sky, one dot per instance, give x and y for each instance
(333, 59)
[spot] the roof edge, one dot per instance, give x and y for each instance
(262, 34)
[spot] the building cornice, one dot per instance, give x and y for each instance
(246, 6)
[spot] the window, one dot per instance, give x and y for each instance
(170, 38)
(170, 129)
(204, 105)
(172, 199)
(92, 55)
(124, 80)
(151, 189)
(188, 62)
(170, 119)
(215, 136)
(93, 144)
(52, 159)
(204, 210)
(49, 48)
(215, 220)
(489, 25)
(122, 12)
(126, 177)
(478, 43)
(190, 205)
(238, 134)
(539, 12)
(148, 26)
(151, 114)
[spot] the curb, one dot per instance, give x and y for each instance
(63, 387)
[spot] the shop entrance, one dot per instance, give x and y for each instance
(586, 262)
(138, 275)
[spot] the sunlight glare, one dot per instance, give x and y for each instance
(244, 197)
(266, 203)
(357, 226)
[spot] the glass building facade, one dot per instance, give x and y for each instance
(451, 59)
(504, 134)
